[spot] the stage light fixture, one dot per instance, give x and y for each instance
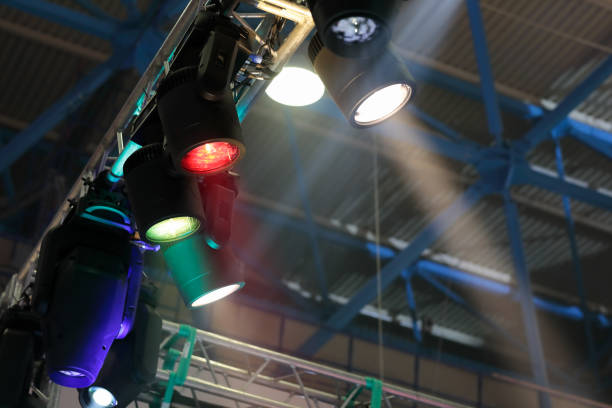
(131, 364)
(202, 136)
(166, 204)
(367, 91)
(87, 280)
(195, 104)
(20, 349)
(218, 193)
(295, 86)
(97, 397)
(354, 28)
(203, 275)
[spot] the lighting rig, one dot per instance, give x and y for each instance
(172, 188)
(87, 284)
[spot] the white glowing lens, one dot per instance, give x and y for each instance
(382, 104)
(215, 295)
(102, 397)
(296, 87)
(71, 373)
(355, 29)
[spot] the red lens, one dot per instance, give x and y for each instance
(210, 157)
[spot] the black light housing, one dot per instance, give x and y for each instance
(202, 136)
(353, 28)
(203, 275)
(20, 347)
(83, 282)
(367, 90)
(131, 363)
(218, 194)
(166, 204)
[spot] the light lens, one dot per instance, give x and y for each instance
(354, 29)
(382, 104)
(210, 157)
(173, 229)
(215, 295)
(296, 87)
(71, 373)
(101, 397)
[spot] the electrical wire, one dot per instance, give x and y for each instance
(381, 362)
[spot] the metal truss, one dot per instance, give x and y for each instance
(227, 372)
(279, 380)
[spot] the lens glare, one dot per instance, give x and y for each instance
(173, 229)
(382, 104)
(215, 295)
(102, 397)
(71, 373)
(210, 157)
(355, 29)
(296, 87)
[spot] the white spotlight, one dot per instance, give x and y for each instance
(296, 87)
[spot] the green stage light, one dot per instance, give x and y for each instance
(166, 204)
(202, 275)
(172, 229)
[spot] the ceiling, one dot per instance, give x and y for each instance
(309, 161)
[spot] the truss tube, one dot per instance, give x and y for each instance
(341, 375)
(121, 119)
(263, 379)
(223, 391)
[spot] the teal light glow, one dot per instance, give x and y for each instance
(196, 274)
(140, 104)
(117, 170)
(117, 211)
(104, 221)
(212, 244)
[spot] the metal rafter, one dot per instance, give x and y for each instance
(394, 268)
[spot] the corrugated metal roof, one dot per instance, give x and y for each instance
(539, 51)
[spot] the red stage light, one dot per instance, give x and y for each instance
(210, 157)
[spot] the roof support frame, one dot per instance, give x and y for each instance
(487, 83)
(393, 269)
(532, 331)
(577, 267)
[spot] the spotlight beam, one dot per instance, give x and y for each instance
(394, 268)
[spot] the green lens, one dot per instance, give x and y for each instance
(173, 229)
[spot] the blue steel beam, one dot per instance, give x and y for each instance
(487, 83)
(597, 139)
(577, 267)
(524, 174)
(465, 306)
(425, 266)
(131, 6)
(393, 268)
(470, 90)
(55, 114)
(312, 227)
(416, 328)
(532, 330)
(436, 124)
(396, 342)
(62, 15)
(542, 128)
